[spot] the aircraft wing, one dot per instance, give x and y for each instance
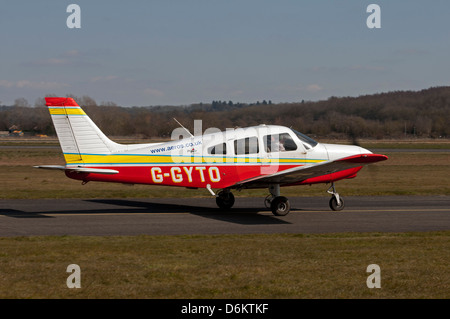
(299, 174)
(79, 169)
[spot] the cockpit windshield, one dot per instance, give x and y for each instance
(308, 142)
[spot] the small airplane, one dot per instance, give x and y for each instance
(264, 156)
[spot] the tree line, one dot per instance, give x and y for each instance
(398, 114)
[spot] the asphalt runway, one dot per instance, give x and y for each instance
(177, 216)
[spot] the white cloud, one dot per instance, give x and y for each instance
(68, 58)
(6, 84)
(237, 93)
(154, 92)
(411, 52)
(335, 70)
(39, 85)
(314, 88)
(71, 53)
(104, 78)
(49, 62)
(367, 68)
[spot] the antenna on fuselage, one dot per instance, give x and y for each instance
(183, 127)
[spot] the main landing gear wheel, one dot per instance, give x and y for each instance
(225, 199)
(280, 206)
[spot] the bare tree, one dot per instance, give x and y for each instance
(22, 102)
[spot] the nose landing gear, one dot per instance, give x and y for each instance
(336, 201)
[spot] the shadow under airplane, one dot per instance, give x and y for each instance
(244, 216)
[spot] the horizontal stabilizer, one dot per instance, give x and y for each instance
(79, 169)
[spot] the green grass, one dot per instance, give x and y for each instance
(413, 265)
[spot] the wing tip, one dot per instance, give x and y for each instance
(365, 158)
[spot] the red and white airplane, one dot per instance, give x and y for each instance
(264, 156)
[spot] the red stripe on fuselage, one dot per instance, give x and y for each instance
(199, 176)
(218, 176)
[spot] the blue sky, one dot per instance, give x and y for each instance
(183, 52)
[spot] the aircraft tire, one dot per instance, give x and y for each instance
(334, 205)
(225, 200)
(280, 206)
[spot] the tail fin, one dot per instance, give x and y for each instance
(77, 134)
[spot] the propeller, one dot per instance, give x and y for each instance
(354, 140)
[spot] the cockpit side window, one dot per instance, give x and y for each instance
(279, 143)
(308, 142)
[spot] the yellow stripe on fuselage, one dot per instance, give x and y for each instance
(160, 159)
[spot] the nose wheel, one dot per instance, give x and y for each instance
(336, 201)
(334, 205)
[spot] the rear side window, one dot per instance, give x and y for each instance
(248, 145)
(218, 149)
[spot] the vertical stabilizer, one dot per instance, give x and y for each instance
(77, 134)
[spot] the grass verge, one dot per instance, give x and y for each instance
(413, 265)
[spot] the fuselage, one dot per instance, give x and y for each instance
(218, 159)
